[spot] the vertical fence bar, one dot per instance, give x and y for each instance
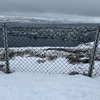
(92, 62)
(6, 48)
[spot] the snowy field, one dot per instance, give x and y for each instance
(63, 60)
(27, 86)
(45, 83)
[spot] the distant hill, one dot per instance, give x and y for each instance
(68, 19)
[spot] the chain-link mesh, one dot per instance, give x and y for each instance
(53, 49)
(96, 69)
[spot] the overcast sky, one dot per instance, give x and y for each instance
(87, 8)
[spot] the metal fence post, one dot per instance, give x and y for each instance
(92, 62)
(6, 48)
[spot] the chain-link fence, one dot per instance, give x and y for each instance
(53, 49)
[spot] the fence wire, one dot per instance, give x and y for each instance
(51, 49)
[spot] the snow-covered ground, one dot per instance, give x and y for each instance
(50, 60)
(60, 65)
(27, 86)
(53, 86)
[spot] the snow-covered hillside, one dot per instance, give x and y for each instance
(49, 18)
(63, 60)
(25, 19)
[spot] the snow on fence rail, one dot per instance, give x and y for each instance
(52, 60)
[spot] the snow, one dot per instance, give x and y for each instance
(87, 45)
(29, 62)
(50, 80)
(60, 65)
(57, 66)
(27, 86)
(50, 17)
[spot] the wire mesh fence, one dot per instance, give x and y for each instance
(50, 49)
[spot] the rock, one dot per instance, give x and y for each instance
(1, 67)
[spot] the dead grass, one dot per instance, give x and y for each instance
(41, 61)
(74, 56)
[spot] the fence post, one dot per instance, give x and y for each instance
(92, 61)
(6, 48)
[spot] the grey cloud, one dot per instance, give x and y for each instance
(73, 7)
